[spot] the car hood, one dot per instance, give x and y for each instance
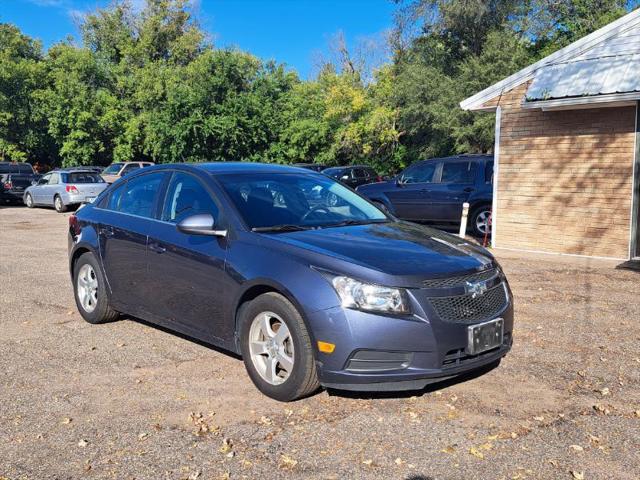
(395, 249)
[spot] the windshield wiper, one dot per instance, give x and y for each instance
(346, 223)
(280, 228)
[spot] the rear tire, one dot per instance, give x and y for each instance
(90, 291)
(28, 200)
(59, 204)
(283, 370)
(479, 220)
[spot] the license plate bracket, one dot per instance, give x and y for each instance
(485, 336)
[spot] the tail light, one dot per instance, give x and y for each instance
(71, 189)
(74, 225)
(8, 185)
(378, 178)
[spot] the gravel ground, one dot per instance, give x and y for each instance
(128, 400)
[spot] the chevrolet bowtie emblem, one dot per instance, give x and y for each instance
(475, 288)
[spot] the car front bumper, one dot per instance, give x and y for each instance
(384, 353)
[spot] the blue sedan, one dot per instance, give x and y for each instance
(311, 293)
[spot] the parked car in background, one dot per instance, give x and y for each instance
(433, 191)
(307, 292)
(316, 167)
(14, 179)
(64, 188)
(117, 170)
(353, 175)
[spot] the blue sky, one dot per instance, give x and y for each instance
(290, 31)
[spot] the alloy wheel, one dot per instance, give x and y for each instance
(482, 221)
(87, 288)
(271, 348)
(58, 204)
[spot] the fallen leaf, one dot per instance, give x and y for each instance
(539, 419)
(476, 453)
(266, 420)
(195, 475)
(83, 443)
(368, 462)
(227, 445)
(143, 435)
(576, 448)
(449, 449)
(286, 462)
(398, 461)
(577, 475)
(67, 420)
(604, 391)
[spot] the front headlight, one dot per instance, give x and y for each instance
(365, 296)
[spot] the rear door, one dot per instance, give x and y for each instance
(454, 183)
(128, 214)
(410, 194)
(189, 270)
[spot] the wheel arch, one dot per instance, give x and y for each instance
(254, 289)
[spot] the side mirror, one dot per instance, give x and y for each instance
(34, 182)
(200, 224)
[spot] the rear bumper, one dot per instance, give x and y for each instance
(12, 195)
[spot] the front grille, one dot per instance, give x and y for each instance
(451, 282)
(466, 309)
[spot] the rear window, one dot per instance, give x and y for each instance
(20, 168)
(113, 169)
(333, 172)
(84, 177)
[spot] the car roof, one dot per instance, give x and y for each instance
(219, 168)
(463, 156)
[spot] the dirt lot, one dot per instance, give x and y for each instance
(127, 400)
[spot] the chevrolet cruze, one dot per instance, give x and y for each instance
(311, 283)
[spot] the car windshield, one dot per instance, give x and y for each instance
(84, 177)
(333, 172)
(113, 168)
(292, 201)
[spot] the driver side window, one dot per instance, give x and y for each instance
(44, 180)
(186, 196)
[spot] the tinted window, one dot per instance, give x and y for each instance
(458, 172)
(371, 173)
(130, 168)
(420, 173)
(44, 180)
(359, 173)
(21, 168)
(84, 177)
(187, 196)
(334, 172)
(488, 172)
(137, 196)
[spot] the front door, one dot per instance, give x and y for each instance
(123, 228)
(188, 271)
(410, 196)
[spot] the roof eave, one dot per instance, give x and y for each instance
(476, 101)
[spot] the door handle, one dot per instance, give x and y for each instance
(107, 231)
(468, 189)
(154, 247)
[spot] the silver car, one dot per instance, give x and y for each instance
(64, 188)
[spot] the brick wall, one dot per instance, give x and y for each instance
(565, 178)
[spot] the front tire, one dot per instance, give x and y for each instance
(59, 204)
(90, 291)
(277, 349)
(28, 200)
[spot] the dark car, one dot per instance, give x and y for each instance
(310, 294)
(14, 179)
(433, 191)
(316, 167)
(353, 175)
